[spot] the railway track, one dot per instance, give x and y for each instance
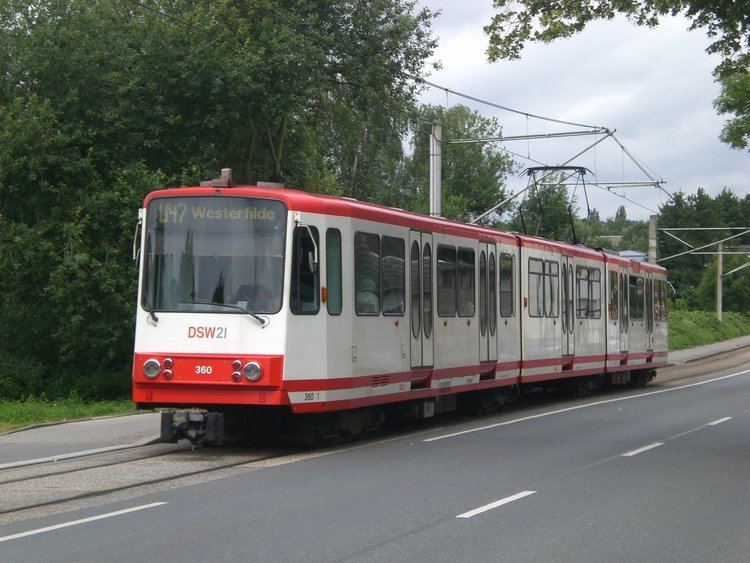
(49, 484)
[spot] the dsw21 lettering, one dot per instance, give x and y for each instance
(207, 332)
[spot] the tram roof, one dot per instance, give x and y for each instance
(298, 200)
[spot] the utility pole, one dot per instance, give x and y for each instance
(436, 164)
(719, 274)
(652, 239)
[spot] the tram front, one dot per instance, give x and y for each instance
(210, 325)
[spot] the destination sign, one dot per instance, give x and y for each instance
(182, 211)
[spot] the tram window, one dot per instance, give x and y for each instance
(333, 271)
(589, 283)
(582, 283)
(427, 289)
(551, 289)
(635, 287)
(415, 290)
(662, 299)
(305, 274)
(536, 287)
(367, 274)
(446, 281)
(613, 309)
(466, 287)
(506, 285)
(394, 272)
(493, 294)
(595, 299)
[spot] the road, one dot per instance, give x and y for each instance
(661, 473)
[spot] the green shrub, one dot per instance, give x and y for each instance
(693, 328)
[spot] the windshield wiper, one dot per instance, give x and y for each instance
(150, 309)
(263, 321)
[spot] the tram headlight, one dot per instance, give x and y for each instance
(253, 371)
(151, 368)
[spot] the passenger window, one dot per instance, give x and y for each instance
(506, 285)
(367, 274)
(636, 298)
(595, 299)
(305, 283)
(394, 272)
(613, 296)
(333, 271)
(552, 289)
(493, 294)
(446, 282)
(536, 287)
(466, 287)
(427, 289)
(582, 283)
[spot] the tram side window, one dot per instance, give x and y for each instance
(595, 299)
(589, 283)
(333, 271)
(506, 285)
(466, 287)
(366, 274)
(552, 288)
(305, 282)
(394, 272)
(493, 294)
(635, 289)
(536, 287)
(446, 281)
(582, 283)
(613, 309)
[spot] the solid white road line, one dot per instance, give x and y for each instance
(495, 504)
(578, 407)
(61, 457)
(643, 449)
(81, 521)
(715, 422)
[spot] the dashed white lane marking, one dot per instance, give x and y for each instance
(81, 521)
(643, 449)
(578, 407)
(715, 422)
(495, 504)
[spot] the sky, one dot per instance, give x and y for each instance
(653, 86)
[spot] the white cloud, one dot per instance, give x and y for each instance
(653, 85)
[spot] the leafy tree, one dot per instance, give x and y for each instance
(473, 174)
(102, 102)
(726, 22)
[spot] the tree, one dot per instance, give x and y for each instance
(102, 102)
(726, 22)
(473, 174)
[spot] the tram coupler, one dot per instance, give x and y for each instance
(198, 426)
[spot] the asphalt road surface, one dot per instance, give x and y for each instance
(661, 473)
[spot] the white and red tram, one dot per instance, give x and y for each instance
(256, 299)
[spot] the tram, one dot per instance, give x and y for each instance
(260, 303)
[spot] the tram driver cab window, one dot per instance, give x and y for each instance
(305, 283)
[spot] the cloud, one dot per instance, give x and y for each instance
(653, 85)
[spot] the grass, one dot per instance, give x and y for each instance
(14, 414)
(693, 328)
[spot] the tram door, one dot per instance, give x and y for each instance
(568, 307)
(624, 312)
(421, 301)
(487, 302)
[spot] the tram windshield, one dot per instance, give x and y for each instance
(214, 254)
